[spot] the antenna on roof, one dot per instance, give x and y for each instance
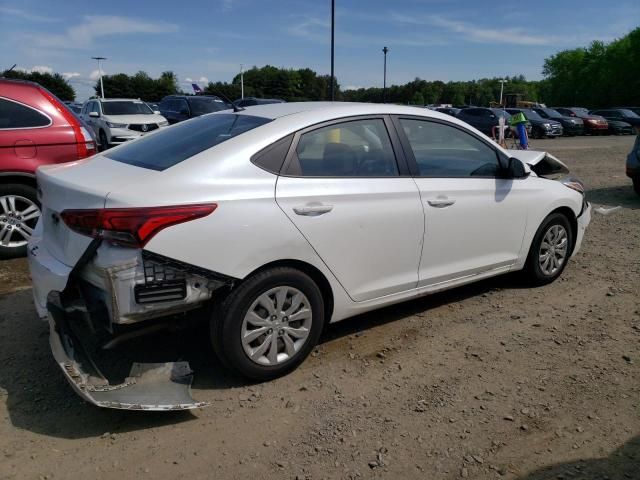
(14, 66)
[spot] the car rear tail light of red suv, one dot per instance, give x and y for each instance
(132, 227)
(85, 146)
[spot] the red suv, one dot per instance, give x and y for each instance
(36, 128)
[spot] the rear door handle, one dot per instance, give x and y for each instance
(313, 210)
(441, 202)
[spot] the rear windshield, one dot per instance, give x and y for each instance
(202, 105)
(170, 146)
(126, 108)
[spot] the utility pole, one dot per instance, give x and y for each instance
(241, 81)
(385, 50)
(99, 59)
(502, 82)
(333, 29)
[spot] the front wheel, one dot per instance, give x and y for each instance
(269, 324)
(104, 141)
(550, 250)
(636, 185)
(19, 213)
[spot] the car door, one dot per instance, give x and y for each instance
(166, 110)
(346, 187)
(474, 220)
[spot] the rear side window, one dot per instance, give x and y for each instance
(445, 151)
(170, 146)
(17, 115)
(358, 148)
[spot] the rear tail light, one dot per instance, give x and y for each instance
(132, 227)
(85, 145)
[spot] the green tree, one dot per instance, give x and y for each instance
(54, 82)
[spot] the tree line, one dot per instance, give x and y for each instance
(596, 76)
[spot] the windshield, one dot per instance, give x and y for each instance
(126, 107)
(629, 113)
(202, 105)
(168, 147)
(501, 113)
(532, 115)
(552, 113)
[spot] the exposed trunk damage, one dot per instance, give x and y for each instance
(135, 287)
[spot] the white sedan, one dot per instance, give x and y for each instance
(280, 219)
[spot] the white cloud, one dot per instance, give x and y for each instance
(188, 80)
(203, 80)
(24, 15)
(94, 27)
(352, 87)
(36, 68)
(70, 75)
(227, 4)
(95, 74)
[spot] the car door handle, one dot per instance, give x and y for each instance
(441, 202)
(313, 210)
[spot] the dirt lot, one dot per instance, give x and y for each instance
(492, 380)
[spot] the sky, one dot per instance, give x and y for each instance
(203, 40)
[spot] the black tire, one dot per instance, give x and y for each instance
(104, 141)
(19, 190)
(227, 319)
(636, 185)
(533, 271)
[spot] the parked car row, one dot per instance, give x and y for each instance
(554, 121)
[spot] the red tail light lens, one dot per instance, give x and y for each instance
(132, 227)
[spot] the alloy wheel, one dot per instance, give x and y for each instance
(553, 250)
(18, 218)
(276, 326)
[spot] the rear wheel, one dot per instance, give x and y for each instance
(636, 185)
(19, 213)
(550, 250)
(269, 324)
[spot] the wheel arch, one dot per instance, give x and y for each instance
(19, 178)
(316, 275)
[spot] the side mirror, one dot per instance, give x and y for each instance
(94, 114)
(515, 169)
(156, 112)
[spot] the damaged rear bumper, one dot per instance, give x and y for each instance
(97, 298)
(149, 386)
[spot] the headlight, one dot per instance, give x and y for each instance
(547, 126)
(116, 125)
(163, 123)
(573, 183)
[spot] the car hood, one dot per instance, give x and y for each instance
(129, 119)
(542, 163)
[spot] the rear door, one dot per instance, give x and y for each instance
(346, 187)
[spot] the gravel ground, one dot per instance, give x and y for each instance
(493, 380)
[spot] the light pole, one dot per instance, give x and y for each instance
(333, 30)
(241, 82)
(384, 78)
(99, 59)
(502, 82)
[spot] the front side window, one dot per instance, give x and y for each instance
(359, 148)
(445, 151)
(136, 107)
(168, 147)
(16, 115)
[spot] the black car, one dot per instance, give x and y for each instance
(453, 111)
(250, 101)
(176, 108)
(617, 127)
(635, 110)
(484, 119)
(540, 127)
(570, 126)
(625, 115)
